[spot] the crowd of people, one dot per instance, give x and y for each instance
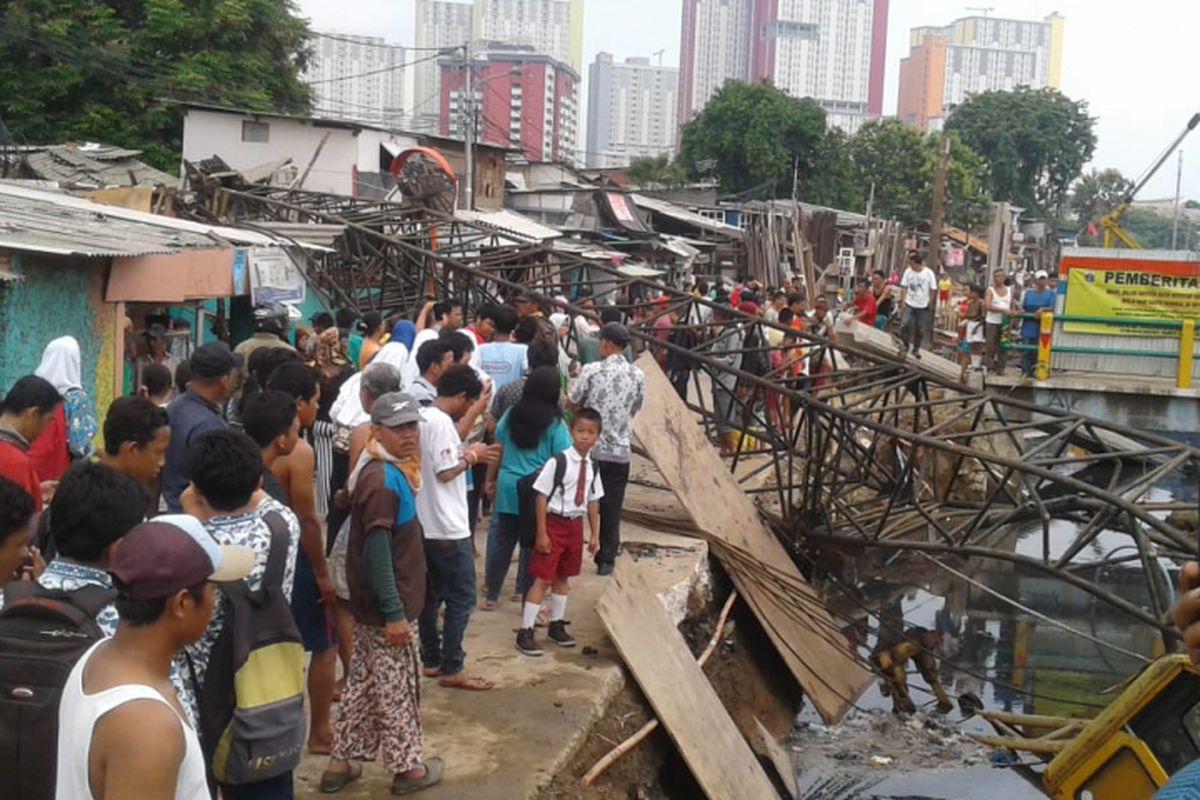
(315, 489)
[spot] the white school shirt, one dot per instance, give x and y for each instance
(78, 714)
(562, 504)
(441, 507)
(919, 285)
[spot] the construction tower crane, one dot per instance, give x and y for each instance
(1111, 222)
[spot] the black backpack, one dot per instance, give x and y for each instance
(43, 632)
(258, 734)
(527, 512)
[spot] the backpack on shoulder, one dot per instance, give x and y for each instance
(43, 632)
(252, 724)
(526, 496)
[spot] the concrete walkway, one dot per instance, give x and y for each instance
(507, 743)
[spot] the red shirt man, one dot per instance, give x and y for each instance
(864, 304)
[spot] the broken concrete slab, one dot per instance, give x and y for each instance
(821, 661)
(683, 699)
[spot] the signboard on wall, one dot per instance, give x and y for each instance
(274, 276)
(1127, 285)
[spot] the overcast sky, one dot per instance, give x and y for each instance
(1130, 61)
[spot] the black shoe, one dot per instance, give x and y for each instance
(604, 569)
(916, 354)
(557, 633)
(527, 644)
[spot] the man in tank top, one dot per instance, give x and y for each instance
(997, 302)
(122, 730)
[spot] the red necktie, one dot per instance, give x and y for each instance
(582, 482)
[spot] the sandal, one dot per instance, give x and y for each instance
(489, 605)
(434, 768)
(431, 672)
(333, 782)
(472, 683)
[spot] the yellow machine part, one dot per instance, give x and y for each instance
(1107, 761)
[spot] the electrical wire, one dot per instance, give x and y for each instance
(379, 71)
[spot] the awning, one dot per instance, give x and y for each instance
(172, 278)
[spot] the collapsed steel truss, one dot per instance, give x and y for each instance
(860, 450)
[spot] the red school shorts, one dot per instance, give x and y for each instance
(565, 559)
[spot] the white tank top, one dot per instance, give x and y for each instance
(1005, 302)
(77, 717)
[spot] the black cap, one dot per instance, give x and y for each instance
(214, 360)
(616, 333)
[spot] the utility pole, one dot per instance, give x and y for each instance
(469, 130)
(939, 206)
(1178, 186)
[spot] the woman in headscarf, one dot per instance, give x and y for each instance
(562, 329)
(70, 435)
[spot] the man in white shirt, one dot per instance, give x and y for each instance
(442, 509)
(918, 286)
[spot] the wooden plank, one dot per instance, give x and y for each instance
(808, 642)
(683, 699)
(778, 758)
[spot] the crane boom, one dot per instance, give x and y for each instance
(1111, 222)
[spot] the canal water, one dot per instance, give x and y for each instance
(1009, 660)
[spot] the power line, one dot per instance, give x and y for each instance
(392, 68)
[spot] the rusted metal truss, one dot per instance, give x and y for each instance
(852, 448)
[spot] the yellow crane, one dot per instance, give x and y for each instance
(1111, 222)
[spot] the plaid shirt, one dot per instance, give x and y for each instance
(616, 389)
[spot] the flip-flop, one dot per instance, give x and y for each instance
(489, 605)
(471, 683)
(434, 767)
(431, 672)
(333, 782)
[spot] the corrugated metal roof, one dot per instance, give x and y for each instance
(683, 215)
(97, 166)
(516, 225)
(42, 221)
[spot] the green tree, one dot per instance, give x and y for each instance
(107, 70)
(1097, 193)
(1034, 143)
(902, 164)
(835, 181)
(754, 133)
(657, 171)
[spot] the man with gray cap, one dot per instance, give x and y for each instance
(198, 410)
(385, 567)
(616, 389)
(122, 731)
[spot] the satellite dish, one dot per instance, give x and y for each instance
(425, 179)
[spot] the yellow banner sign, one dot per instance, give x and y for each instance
(1113, 290)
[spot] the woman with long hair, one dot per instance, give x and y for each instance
(529, 434)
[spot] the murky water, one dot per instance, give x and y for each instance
(1010, 660)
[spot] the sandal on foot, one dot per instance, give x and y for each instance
(489, 605)
(472, 683)
(431, 672)
(433, 774)
(333, 782)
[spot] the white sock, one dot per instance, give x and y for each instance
(558, 607)
(976, 360)
(529, 616)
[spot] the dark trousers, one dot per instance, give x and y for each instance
(915, 327)
(993, 355)
(475, 496)
(1029, 357)
(680, 379)
(450, 570)
(615, 477)
(504, 534)
(278, 788)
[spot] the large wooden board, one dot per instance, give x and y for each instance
(807, 641)
(683, 699)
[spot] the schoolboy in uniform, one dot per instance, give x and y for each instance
(558, 548)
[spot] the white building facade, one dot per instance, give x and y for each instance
(358, 78)
(439, 24)
(632, 110)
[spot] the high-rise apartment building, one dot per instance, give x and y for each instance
(439, 24)
(521, 99)
(972, 55)
(631, 110)
(357, 77)
(551, 27)
(832, 51)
